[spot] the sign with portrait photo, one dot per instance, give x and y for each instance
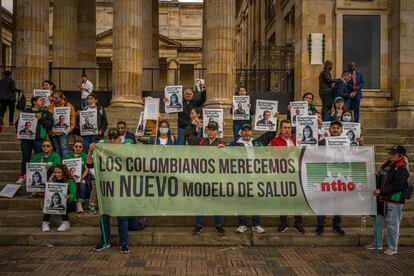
(75, 168)
(55, 198)
(36, 177)
(215, 115)
(174, 94)
(88, 122)
(45, 94)
(265, 119)
(140, 131)
(26, 128)
(241, 109)
(299, 108)
(61, 119)
(306, 131)
(352, 131)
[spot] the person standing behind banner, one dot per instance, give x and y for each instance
(238, 123)
(392, 190)
(309, 97)
(86, 88)
(212, 141)
(286, 139)
(102, 122)
(321, 132)
(325, 87)
(340, 89)
(354, 86)
(347, 117)
(164, 136)
(48, 85)
(336, 111)
(45, 122)
(197, 121)
(60, 139)
(124, 134)
(61, 175)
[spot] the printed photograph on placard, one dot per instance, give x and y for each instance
(174, 95)
(140, 131)
(352, 131)
(337, 142)
(61, 118)
(265, 115)
(151, 108)
(45, 94)
(26, 129)
(36, 177)
(215, 115)
(75, 168)
(241, 109)
(299, 108)
(55, 198)
(307, 131)
(88, 121)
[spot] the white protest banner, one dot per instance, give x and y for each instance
(75, 168)
(215, 115)
(307, 131)
(36, 177)
(61, 118)
(140, 131)
(337, 142)
(10, 190)
(352, 131)
(26, 128)
(299, 108)
(55, 198)
(241, 109)
(174, 94)
(265, 115)
(88, 122)
(45, 94)
(151, 108)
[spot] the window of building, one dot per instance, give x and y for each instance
(362, 45)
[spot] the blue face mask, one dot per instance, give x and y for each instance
(163, 130)
(347, 118)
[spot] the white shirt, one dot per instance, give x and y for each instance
(87, 88)
(246, 143)
(163, 141)
(289, 142)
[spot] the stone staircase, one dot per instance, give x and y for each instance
(20, 217)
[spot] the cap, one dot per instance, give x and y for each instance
(212, 125)
(398, 149)
(338, 99)
(246, 126)
(113, 133)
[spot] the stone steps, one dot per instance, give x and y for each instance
(10, 164)
(7, 175)
(162, 236)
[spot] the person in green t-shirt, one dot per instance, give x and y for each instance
(47, 156)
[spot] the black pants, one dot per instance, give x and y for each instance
(327, 102)
(298, 220)
(336, 221)
(70, 207)
(3, 107)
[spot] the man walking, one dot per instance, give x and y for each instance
(325, 87)
(7, 98)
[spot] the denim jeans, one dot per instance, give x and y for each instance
(122, 230)
(393, 219)
(61, 144)
(181, 136)
(237, 124)
(83, 103)
(87, 140)
(336, 221)
(298, 220)
(27, 147)
(218, 220)
(82, 191)
(255, 220)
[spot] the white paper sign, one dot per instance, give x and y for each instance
(299, 108)
(352, 131)
(140, 131)
(215, 115)
(316, 48)
(36, 177)
(45, 94)
(88, 122)
(75, 168)
(55, 198)
(61, 118)
(10, 190)
(174, 94)
(337, 142)
(27, 126)
(151, 109)
(265, 115)
(241, 109)
(307, 131)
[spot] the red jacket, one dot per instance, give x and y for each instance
(280, 142)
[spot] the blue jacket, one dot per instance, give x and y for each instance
(340, 90)
(156, 140)
(359, 85)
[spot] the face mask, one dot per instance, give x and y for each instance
(346, 118)
(163, 130)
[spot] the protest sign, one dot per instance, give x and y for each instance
(306, 131)
(45, 94)
(299, 108)
(88, 121)
(61, 118)
(55, 198)
(352, 131)
(265, 115)
(215, 115)
(10, 190)
(337, 142)
(26, 129)
(36, 177)
(75, 168)
(174, 94)
(140, 131)
(151, 108)
(241, 109)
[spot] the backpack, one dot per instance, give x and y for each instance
(407, 192)
(21, 103)
(136, 223)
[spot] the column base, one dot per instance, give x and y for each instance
(218, 103)
(402, 117)
(125, 102)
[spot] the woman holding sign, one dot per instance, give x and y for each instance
(336, 111)
(61, 175)
(44, 123)
(238, 112)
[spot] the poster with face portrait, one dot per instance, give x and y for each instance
(299, 108)
(26, 129)
(45, 94)
(75, 168)
(337, 142)
(174, 94)
(140, 131)
(307, 131)
(36, 177)
(265, 115)
(352, 131)
(241, 109)
(151, 108)
(88, 122)
(61, 118)
(215, 115)
(55, 198)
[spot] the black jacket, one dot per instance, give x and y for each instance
(193, 140)
(129, 135)
(325, 82)
(7, 89)
(101, 118)
(184, 118)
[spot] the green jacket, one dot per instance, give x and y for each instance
(52, 160)
(71, 189)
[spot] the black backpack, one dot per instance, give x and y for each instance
(21, 103)
(407, 192)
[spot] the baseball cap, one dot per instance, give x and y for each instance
(113, 133)
(246, 126)
(338, 99)
(398, 149)
(212, 125)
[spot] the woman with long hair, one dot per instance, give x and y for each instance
(164, 136)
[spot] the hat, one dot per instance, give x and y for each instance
(398, 149)
(338, 99)
(212, 125)
(246, 126)
(113, 133)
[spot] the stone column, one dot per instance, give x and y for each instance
(65, 43)
(172, 73)
(220, 52)
(147, 58)
(87, 37)
(32, 43)
(127, 53)
(155, 44)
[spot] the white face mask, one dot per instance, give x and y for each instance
(347, 118)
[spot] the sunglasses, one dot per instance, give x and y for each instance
(78, 147)
(46, 146)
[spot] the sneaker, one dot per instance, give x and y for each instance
(241, 229)
(101, 247)
(371, 246)
(319, 231)
(45, 226)
(390, 252)
(220, 230)
(282, 228)
(21, 180)
(197, 230)
(79, 208)
(338, 230)
(65, 226)
(92, 210)
(124, 249)
(258, 229)
(299, 228)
